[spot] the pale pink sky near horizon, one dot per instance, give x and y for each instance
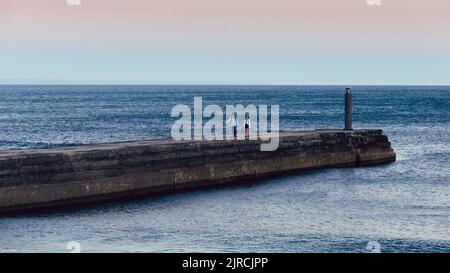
(414, 31)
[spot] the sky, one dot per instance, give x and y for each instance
(225, 42)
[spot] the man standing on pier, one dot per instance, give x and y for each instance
(234, 123)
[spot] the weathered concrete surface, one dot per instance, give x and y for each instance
(35, 178)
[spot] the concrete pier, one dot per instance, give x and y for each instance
(35, 178)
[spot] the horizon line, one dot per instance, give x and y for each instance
(213, 84)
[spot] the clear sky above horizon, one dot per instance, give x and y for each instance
(225, 42)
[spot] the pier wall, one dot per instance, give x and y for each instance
(34, 178)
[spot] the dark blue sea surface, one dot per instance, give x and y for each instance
(403, 207)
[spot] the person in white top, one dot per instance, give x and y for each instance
(234, 123)
(247, 126)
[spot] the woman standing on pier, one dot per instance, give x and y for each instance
(247, 126)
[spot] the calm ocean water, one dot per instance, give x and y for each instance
(404, 206)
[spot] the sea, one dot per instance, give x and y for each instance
(398, 207)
